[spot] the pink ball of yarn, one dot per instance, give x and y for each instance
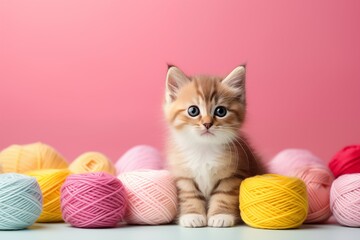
(345, 199)
(139, 157)
(313, 171)
(291, 159)
(93, 200)
(152, 197)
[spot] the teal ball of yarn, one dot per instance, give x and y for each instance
(20, 201)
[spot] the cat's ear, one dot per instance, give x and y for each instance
(236, 81)
(175, 79)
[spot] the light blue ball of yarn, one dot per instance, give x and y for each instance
(20, 201)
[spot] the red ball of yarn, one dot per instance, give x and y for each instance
(93, 200)
(346, 161)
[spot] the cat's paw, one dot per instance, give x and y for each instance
(192, 220)
(221, 220)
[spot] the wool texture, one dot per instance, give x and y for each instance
(139, 158)
(20, 201)
(345, 199)
(50, 181)
(29, 157)
(93, 200)
(92, 162)
(346, 161)
(152, 197)
(313, 171)
(273, 201)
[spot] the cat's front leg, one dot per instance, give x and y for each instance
(192, 203)
(224, 203)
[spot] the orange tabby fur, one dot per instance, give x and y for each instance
(209, 163)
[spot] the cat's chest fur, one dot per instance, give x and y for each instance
(204, 163)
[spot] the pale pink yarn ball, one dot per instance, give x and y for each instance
(345, 199)
(316, 175)
(152, 197)
(139, 157)
(290, 159)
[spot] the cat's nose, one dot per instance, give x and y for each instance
(208, 125)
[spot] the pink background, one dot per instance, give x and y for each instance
(89, 75)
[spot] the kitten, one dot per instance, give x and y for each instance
(207, 153)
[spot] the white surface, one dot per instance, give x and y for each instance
(62, 231)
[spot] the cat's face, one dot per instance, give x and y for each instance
(205, 109)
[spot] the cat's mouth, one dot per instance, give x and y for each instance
(207, 133)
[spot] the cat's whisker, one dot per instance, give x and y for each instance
(247, 157)
(235, 139)
(247, 145)
(244, 141)
(229, 140)
(231, 153)
(237, 154)
(229, 127)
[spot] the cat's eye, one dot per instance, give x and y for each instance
(220, 111)
(193, 111)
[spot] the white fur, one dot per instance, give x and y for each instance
(202, 158)
(192, 220)
(221, 220)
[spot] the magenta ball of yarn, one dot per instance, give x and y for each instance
(139, 157)
(316, 175)
(93, 200)
(345, 199)
(152, 197)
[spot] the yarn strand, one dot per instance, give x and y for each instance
(93, 200)
(274, 202)
(20, 201)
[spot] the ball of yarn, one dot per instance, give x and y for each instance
(273, 201)
(316, 175)
(139, 157)
(346, 161)
(152, 197)
(345, 199)
(93, 200)
(20, 201)
(92, 162)
(35, 156)
(50, 181)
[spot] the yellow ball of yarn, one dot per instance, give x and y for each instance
(92, 162)
(273, 201)
(50, 181)
(29, 157)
